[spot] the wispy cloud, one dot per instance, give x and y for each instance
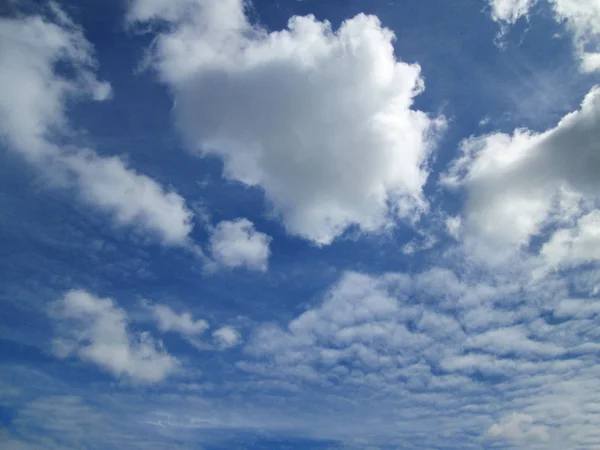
(34, 94)
(581, 18)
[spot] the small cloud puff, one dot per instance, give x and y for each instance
(237, 244)
(226, 337)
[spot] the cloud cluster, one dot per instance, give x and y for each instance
(34, 97)
(320, 119)
(96, 330)
(436, 342)
(168, 320)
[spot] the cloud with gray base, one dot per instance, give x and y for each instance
(321, 120)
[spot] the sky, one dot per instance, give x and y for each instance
(300, 224)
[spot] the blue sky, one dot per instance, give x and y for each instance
(299, 224)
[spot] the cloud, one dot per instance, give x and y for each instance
(519, 427)
(520, 184)
(226, 337)
(34, 95)
(169, 320)
(472, 347)
(132, 198)
(512, 340)
(510, 11)
(577, 245)
(237, 244)
(95, 330)
(320, 119)
(581, 18)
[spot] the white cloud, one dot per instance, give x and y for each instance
(226, 337)
(519, 427)
(577, 308)
(33, 95)
(236, 244)
(95, 330)
(581, 18)
(510, 11)
(132, 198)
(33, 119)
(386, 359)
(453, 225)
(512, 340)
(184, 323)
(320, 119)
(519, 183)
(576, 245)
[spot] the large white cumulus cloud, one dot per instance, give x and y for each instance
(320, 119)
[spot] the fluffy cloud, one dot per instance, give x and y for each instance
(95, 330)
(581, 18)
(169, 320)
(226, 337)
(320, 119)
(521, 183)
(236, 244)
(34, 94)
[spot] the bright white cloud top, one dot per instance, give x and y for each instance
(320, 119)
